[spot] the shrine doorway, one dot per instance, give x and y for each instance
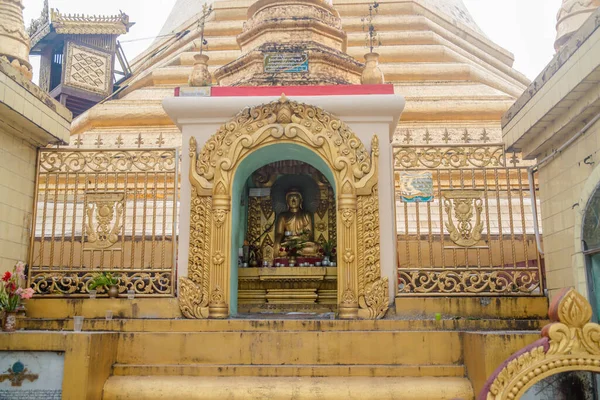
(265, 134)
(263, 280)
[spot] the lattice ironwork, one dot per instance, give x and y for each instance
(465, 223)
(105, 210)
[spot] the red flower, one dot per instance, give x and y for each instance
(281, 249)
(11, 287)
(7, 276)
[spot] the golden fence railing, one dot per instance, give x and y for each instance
(465, 223)
(105, 210)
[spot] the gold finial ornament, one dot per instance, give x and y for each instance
(570, 17)
(372, 74)
(200, 75)
(14, 41)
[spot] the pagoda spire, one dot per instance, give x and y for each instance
(14, 41)
(572, 14)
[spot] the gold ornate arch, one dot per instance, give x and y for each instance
(362, 292)
(570, 343)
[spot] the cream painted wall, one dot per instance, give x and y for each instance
(565, 184)
(17, 179)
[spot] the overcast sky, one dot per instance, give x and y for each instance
(527, 28)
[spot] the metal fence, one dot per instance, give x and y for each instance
(105, 210)
(465, 223)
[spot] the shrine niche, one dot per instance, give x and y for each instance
(290, 204)
(220, 172)
(267, 199)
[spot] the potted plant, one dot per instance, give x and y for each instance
(107, 281)
(328, 250)
(11, 295)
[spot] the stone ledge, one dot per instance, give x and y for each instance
(29, 113)
(473, 307)
(142, 308)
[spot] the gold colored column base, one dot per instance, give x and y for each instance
(348, 311)
(285, 388)
(218, 310)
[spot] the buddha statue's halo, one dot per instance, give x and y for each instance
(304, 184)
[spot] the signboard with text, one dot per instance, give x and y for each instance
(285, 62)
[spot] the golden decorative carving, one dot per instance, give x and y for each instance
(348, 256)
(200, 236)
(373, 289)
(354, 170)
(88, 69)
(467, 280)
(253, 127)
(73, 283)
(348, 308)
(219, 217)
(89, 24)
(104, 219)
(453, 157)
(349, 298)
(464, 203)
(348, 216)
(217, 307)
(218, 258)
(192, 301)
(572, 344)
(254, 218)
(108, 161)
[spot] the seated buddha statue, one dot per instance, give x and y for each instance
(294, 225)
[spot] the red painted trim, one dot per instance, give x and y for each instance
(177, 91)
(331, 90)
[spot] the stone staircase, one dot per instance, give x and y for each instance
(290, 359)
(415, 358)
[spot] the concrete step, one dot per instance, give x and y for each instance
(265, 325)
(285, 388)
(291, 348)
(290, 370)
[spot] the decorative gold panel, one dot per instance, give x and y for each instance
(462, 206)
(478, 156)
(355, 173)
(472, 231)
(88, 69)
(104, 219)
(104, 210)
